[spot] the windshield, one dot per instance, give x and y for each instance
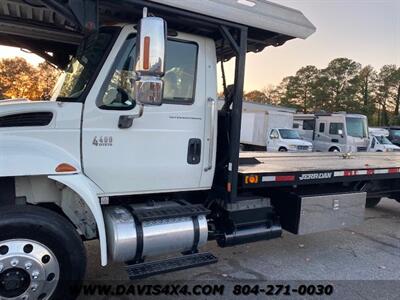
(73, 81)
(383, 140)
(395, 133)
(288, 134)
(356, 127)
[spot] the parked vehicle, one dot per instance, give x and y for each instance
(271, 131)
(286, 140)
(380, 142)
(338, 132)
(133, 152)
(394, 134)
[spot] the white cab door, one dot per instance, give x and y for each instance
(164, 149)
(273, 141)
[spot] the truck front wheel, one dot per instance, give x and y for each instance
(372, 202)
(41, 255)
(282, 149)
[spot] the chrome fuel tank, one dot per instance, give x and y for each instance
(161, 236)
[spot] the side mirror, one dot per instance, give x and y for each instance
(340, 132)
(150, 60)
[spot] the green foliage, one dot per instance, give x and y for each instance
(344, 85)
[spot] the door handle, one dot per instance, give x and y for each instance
(194, 151)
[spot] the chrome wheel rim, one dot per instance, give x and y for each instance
(28, 270)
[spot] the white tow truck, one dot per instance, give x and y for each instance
(132, 150)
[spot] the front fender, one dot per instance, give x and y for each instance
(88, 191)
(26, 156)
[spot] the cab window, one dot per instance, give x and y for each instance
(336, 128)
(274, 134)
(179, 79)
(308, 124)
(180, 72)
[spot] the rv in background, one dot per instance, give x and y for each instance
(380, 141)
(336, 132)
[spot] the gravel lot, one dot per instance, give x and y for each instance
(367, 252)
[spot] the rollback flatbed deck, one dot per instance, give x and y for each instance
(262, 169)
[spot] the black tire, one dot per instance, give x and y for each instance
(282, 149)
(334, 149)
(56, 233)
(372, 202)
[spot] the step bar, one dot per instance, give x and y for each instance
(147, 269)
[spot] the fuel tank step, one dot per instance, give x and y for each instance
(144, 270)
(176, 211)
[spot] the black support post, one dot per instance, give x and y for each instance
(236, 117)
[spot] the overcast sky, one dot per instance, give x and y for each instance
(367, 31)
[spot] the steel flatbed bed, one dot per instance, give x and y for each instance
(259, 169)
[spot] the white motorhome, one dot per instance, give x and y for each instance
(380, 141)
(336, 132)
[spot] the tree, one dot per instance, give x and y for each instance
(396, 84)
(305, 81)
(256, 96)
(386, 92)
(19, 79)
(288, 88)
(342, 83)
(367, 79)
(15, 77)
(47, 77)
(300, 89)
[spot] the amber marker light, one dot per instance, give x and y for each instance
(251, 179)
(146, 54)
(64, 167)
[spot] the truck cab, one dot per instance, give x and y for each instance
(173, 138)
(394, 134)
(380, 141)
(286, 140)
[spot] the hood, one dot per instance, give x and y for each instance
(14, 100)
(47, 114)
(394, 147)
(38, 136)
(298, 142)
